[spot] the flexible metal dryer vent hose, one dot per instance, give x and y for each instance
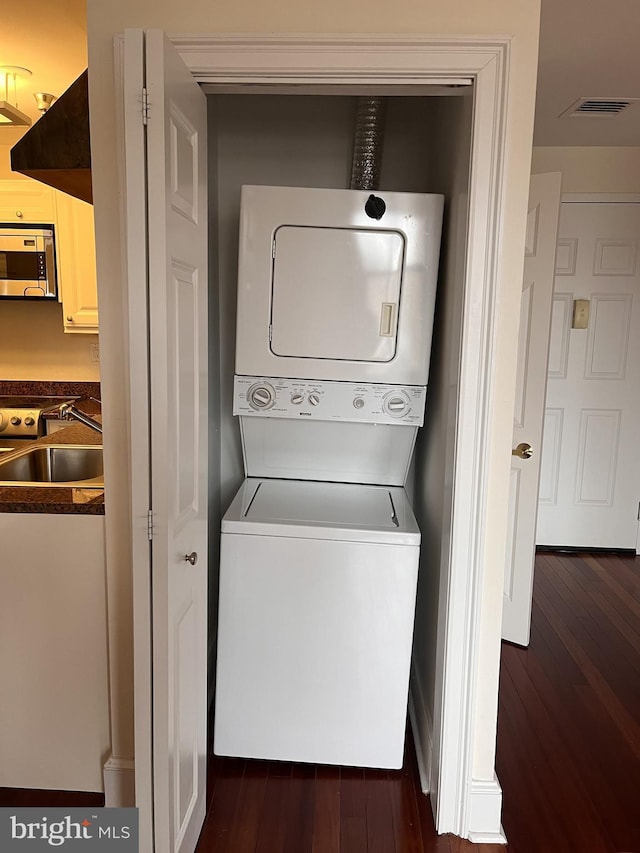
(367, 145)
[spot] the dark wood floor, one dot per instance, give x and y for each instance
(276, 807)
(568, 753)
(29, 797)
(569, 716)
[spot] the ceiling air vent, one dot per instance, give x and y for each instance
(597, 107)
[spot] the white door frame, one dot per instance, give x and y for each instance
(259, 63)
(243, 61)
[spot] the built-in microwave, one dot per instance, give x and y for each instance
(27, 261)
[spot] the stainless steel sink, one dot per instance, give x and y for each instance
(67, 465)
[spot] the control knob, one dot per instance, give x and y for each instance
(314, 399)
(261, 396)
(16, 421)
(396, 404)
(29, 421)
(297, 399)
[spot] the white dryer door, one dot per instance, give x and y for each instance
(335, 293)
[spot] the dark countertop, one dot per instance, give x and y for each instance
(57, 500)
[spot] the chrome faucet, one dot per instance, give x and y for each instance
(68, 411)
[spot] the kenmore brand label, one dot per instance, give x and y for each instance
(72, 829)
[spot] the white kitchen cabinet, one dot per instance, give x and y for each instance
(26, 201)
(54, 713)
(76, 248)
(31, 201)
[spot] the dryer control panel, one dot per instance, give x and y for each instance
(359, 402)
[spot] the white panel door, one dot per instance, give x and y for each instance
(177, 235)
(590, 484)
(535, 310)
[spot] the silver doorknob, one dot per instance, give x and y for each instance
(524, 451)
(191, 558)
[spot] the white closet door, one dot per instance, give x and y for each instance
(177, 298)
(590, 482)
(535, 310)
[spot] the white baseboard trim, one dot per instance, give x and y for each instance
(488, 838)
(422, 728)
(485, 811)
(119, 782)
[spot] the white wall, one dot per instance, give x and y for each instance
(591, 170)
(520, 21)
(286, 140)
(33, 345)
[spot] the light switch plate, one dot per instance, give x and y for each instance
(580, 313)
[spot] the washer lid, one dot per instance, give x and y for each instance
(315, 510)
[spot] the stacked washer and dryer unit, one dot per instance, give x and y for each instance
(319, 553)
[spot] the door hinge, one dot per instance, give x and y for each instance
(638, 517)
(270, 332)
(149, 525)
(273, 248)
(145, 107)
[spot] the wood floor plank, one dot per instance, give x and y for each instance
(413, 827)
(603, 644)
(615, 772)
(35, 798)
(572, 584)
(300, 820)
(608, 609)
(406, 819)
(216, 833)
(326, 827)
(243, 837)
(353, 810)
(593, 762)
(380, 837)
(624, 720)
(460, 845)
(534, 715)
(620, 574)
(272, 820)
